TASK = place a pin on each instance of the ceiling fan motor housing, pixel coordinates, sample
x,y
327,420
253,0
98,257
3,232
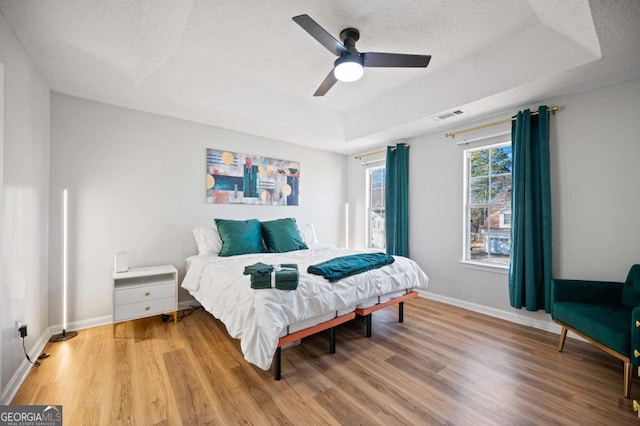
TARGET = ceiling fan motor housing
x,y
349,36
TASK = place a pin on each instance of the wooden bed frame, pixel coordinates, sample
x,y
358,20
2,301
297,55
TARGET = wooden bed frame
x,y
332,323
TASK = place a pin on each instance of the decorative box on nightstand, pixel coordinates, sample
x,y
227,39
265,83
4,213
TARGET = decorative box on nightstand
x,y
142,292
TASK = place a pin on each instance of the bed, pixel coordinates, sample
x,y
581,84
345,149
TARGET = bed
x,y
264,320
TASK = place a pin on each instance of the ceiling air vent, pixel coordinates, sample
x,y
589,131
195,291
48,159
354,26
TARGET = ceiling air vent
x,y
450,114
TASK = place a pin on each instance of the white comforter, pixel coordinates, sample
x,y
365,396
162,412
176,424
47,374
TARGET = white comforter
x,y
258,317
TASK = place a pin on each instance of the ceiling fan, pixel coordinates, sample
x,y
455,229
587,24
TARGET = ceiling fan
x,y
350,63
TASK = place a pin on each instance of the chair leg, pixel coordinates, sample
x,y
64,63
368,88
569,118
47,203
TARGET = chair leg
x,y
628,372
563,336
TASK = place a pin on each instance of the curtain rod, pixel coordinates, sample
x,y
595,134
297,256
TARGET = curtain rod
x,y
369,154
495,123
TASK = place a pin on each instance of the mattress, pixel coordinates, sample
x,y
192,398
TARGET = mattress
x,y
260,317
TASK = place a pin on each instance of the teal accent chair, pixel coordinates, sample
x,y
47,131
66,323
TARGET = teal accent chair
x,y
606,314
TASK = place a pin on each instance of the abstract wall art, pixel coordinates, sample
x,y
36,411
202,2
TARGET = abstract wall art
x,y
235,178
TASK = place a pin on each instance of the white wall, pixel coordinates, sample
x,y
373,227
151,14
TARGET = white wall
x,y
2,385
137,183
595,154
25,164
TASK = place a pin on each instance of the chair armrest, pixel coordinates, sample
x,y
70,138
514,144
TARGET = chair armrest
x,y
635,336
591,292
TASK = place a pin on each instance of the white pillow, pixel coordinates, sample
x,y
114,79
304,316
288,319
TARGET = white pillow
x,y
308,233
207,239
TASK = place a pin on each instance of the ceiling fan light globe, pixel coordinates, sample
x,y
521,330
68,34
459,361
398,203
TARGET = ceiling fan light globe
x,y
348,71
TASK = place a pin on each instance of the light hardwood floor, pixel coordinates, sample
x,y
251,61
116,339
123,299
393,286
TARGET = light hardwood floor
x,y
443,365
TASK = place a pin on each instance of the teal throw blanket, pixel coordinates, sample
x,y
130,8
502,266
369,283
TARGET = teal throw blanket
x,y
341,267
285,277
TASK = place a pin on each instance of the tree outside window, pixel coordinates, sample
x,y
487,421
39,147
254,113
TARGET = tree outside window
x,y
488,204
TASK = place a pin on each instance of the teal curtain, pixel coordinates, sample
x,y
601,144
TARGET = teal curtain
x,y
397,200
530,267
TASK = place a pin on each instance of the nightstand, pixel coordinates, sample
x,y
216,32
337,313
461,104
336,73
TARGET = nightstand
x,y
143,292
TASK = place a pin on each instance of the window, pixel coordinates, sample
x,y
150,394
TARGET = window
x,y
376,237
487,219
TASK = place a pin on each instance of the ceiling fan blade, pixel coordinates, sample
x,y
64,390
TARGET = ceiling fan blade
x,y
374,59
326,84
320,34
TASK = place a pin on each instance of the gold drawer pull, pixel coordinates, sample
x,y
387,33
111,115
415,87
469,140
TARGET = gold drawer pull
x,y
637,323
147,308
636,353
147,293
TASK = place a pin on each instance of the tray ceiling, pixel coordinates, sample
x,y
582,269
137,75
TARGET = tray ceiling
x,y
245,65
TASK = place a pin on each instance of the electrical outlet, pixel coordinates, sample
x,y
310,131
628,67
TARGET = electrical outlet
x,y
18,325
22,330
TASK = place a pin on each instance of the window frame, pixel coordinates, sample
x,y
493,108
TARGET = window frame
x,y
466,259
375,165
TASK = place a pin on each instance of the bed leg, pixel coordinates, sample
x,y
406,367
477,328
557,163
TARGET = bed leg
x,y
368,318
332,340
276,364
401,312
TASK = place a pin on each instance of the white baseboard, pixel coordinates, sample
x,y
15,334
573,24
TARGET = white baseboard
x,y
10,391
106,320
83,324
549,325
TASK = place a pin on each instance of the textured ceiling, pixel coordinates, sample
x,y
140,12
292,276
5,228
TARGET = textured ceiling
x,y
245,65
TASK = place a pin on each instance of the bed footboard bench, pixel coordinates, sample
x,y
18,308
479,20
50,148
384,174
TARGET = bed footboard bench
x,y
290,338
366,312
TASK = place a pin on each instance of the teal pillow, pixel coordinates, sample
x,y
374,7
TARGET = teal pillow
x,y
282,235
239,236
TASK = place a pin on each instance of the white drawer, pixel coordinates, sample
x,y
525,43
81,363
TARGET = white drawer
x,y
144,308
144,293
